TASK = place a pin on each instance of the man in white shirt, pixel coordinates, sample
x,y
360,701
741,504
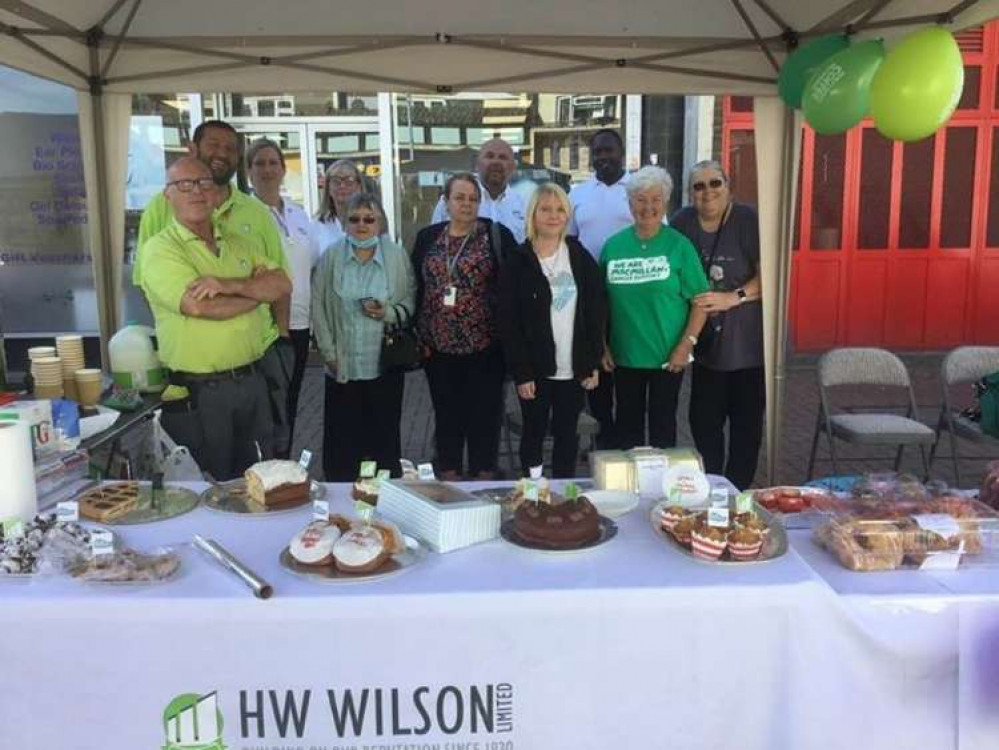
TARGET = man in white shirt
x,y
495,167
600,209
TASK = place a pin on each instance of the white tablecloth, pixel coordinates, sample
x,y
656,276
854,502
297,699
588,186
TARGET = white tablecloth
x,y
630,645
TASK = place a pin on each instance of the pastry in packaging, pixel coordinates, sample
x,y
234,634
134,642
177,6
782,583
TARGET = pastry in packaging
x,y
109,501
48,545
272,483
128,566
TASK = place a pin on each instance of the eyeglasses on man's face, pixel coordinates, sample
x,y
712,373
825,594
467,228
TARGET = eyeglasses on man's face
x,y
361,219
714,183
203,184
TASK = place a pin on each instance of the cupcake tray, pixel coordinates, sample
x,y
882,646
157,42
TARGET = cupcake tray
x,y
232,497
774,546
396,564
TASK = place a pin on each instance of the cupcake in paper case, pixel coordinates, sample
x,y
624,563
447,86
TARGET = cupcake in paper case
x,y
683,528
752,523
744,544
671,515
708,542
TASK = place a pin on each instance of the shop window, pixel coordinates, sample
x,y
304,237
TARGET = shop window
x,y
972,87
992,230
875,191
827,192
958,194
917,190
742,165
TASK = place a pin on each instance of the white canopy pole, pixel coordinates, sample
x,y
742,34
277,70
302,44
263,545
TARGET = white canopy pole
x,y
104,123
778,152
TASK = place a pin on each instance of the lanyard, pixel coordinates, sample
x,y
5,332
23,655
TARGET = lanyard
x,y
452,263
718,234
279,218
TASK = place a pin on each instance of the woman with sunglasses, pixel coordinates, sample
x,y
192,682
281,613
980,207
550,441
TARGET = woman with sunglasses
x,y
343,180
457,264
728,383
552,319
362,283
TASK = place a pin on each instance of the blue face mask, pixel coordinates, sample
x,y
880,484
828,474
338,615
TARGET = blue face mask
x,y
365,244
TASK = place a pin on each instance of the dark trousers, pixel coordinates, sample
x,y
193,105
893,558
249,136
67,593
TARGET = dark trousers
x,y
651,393
559,401
467,394
223,423
277,365
601,403
740,398
300,341
361,423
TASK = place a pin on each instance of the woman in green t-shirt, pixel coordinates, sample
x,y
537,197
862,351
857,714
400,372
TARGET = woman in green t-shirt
x,y
652,273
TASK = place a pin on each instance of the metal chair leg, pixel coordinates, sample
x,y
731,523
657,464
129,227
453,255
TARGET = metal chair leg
x,y
815,448
832,453
936,443
926,465
898,458
953,454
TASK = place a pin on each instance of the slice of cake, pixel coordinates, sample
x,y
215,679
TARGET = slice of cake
x,y
560,524
276,482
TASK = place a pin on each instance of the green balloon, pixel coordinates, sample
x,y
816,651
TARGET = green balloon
x,y
837,95
801,63
918,87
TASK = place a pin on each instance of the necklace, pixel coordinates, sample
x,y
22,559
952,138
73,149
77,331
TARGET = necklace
x,y
548,264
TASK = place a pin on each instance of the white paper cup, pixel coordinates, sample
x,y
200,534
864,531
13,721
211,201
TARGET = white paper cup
x,y
41,352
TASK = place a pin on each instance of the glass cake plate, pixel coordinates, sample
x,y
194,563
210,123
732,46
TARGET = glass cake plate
x,y
774,546
395,565
608,530
150,506
232,497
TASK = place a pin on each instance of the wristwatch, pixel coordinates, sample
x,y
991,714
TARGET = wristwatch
x,y
741,294
692,339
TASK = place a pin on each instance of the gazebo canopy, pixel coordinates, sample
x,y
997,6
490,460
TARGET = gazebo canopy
x,y
637,46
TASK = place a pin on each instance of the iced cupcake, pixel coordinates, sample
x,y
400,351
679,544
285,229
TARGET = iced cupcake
x,y
708,542
744,544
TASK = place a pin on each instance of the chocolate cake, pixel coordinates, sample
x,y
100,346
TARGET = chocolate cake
x,y
561,524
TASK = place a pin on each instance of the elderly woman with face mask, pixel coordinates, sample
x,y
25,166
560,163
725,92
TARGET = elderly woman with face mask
x,y
728,383
362,283
652,274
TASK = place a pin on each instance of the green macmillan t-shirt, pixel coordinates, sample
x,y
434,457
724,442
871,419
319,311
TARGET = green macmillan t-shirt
x,y
649,286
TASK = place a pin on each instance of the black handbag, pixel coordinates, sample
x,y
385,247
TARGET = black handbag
x,y
400,346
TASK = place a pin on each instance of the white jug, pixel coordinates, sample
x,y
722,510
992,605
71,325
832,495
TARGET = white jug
x,y
134,362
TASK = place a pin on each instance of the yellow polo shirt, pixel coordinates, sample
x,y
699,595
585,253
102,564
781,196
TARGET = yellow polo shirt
x,y
175,258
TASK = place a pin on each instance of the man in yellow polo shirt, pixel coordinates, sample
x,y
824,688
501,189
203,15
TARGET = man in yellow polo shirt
x,y
209,292
216,145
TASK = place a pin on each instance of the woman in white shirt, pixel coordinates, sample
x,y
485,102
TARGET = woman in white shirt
x,y
343,181
266,168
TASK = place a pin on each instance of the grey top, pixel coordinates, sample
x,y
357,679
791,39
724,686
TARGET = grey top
x,y
737,340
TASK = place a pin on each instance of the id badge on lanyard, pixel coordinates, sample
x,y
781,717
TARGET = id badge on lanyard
x,y
451,290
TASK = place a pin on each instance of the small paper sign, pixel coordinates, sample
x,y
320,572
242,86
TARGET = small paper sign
x,y
68,511
571,491
383,474
369,469
939,523
321,509
101,542
13,528
305,459
718,517
743,503
531,490
364,511
425,472
536,472
945,560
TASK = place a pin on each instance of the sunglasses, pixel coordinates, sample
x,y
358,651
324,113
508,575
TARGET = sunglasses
x,y
360,219
714,183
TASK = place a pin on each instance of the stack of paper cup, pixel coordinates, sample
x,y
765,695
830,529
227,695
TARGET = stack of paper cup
x,y
38,352
47,374
71,353
88,386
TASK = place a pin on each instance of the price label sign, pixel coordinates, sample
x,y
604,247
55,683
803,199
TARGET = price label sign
x,y
68,511
425,472
744,502
101,542
13,528
320,509
531,490
383,474
368,469
718,517
305,459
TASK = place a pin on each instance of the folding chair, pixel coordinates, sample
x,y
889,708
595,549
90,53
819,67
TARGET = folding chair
x,y
875,367
963,365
